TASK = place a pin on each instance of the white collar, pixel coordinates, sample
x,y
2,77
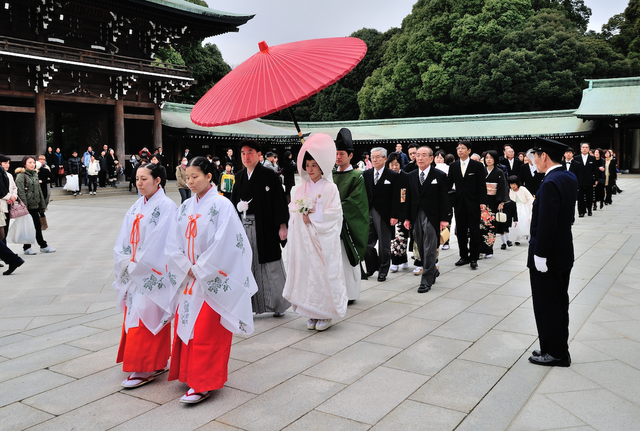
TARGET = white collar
x,y
550,169
349,168
380,171
426,171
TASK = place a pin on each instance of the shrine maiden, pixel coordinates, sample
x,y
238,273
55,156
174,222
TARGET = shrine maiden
x,y
144,285
315,283
209,255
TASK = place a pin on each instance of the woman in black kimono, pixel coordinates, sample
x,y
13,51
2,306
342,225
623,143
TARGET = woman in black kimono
x,y
497,195
599,189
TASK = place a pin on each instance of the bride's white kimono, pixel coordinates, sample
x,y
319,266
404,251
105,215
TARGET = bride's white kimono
x,y
524,206
315,278
208,238
142,280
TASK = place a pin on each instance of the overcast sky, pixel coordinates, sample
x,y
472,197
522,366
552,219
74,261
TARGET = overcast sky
x,y
282,21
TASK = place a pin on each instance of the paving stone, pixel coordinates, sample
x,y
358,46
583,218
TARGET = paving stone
x,y
412,296
496,305
498,348
460,385
466,326
17,417
17,323
99,341
268,342
339,337
217,426
372,297
78,393
107,323
600,408
272,370
441,309
83,319
353,362
30,384
565,380
100,415
383,314
38,360
429,355
35,344
88,364
415,416
371,398
543,414
281,405
615,376
471,291
14,338
319,421
40,321
403,332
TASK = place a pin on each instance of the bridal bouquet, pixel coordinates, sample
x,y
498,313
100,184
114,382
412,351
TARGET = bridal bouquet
x,y
302,206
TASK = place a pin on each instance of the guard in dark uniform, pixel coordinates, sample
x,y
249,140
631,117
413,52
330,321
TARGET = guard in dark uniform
x,y
551,255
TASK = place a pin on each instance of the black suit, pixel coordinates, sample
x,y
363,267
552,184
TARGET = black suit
x,y
383,206
551,238
515,170
471,192
428,205
529,181
586,180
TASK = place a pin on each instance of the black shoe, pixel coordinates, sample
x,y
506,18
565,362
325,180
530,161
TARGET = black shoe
x,y
13,267
462,262
590,213
503,247
351,301
382,278
369,274
601,205
549,361
437,274
595,208
424,288
536,353
509,243
581,215
473,264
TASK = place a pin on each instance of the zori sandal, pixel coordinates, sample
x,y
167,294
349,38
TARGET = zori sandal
x,y
193,397
137,381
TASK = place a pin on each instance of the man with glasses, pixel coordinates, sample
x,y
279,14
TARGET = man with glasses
x,y
383,192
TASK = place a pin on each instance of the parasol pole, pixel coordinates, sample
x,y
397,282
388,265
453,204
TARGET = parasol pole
x,y
295,122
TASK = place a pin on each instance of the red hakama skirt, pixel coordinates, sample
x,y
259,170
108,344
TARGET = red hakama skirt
x,y
141,351
203,363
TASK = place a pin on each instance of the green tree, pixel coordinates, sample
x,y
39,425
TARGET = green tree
x,y
208,67
622,31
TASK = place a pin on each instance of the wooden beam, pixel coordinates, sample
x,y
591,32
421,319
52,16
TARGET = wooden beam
x,y
76,99
157,127
23,109
132,104
118,122
40,124
139,117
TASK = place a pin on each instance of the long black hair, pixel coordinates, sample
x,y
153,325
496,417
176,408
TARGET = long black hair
x,y
203,164
156,171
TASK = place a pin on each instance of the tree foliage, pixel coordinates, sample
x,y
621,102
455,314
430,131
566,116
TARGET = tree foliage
x,y
480,56
622,31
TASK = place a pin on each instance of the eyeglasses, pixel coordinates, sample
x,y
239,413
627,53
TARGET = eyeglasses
x,y
376,157
422,155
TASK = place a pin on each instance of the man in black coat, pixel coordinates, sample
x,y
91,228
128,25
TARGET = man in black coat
x,y
586,174
509,160
259,198
383,192
428,203
75,168
471,198
551,254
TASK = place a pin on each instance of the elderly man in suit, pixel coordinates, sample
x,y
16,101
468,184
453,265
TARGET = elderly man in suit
x,y
551,255
511,162
428,203
383,192
468,176
586,174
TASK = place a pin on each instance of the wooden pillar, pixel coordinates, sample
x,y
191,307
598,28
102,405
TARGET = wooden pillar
x,y
616,143
118,121
157,127
41,124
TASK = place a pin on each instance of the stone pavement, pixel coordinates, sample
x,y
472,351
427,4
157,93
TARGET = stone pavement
x,y
453,358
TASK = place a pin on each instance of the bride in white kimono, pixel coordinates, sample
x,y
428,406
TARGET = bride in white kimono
x,y
315,278
145,293
524,205
210,258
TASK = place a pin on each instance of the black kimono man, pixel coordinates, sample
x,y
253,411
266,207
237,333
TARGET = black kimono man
x,y
551,254
259,198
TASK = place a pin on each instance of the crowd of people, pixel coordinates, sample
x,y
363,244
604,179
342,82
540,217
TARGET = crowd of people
x,y
214,260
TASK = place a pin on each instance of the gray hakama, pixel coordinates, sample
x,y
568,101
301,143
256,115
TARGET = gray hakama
x,y
270,277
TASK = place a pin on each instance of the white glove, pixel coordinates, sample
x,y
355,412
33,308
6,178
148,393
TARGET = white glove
x,y
541,263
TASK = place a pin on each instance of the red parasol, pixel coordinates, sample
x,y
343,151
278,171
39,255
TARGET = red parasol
x,y
276,78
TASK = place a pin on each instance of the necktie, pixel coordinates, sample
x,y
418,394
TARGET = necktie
x,y
376,178
421,177
463,167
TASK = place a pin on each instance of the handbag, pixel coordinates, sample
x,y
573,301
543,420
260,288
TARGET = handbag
x,y
72,183
18,209
444,235
501,217
61,170
43,223
22,231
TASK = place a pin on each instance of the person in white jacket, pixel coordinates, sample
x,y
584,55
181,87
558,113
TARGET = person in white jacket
x,y
93,169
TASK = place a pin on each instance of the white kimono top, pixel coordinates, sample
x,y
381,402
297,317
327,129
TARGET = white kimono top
x,y
143,282
315,278
208,238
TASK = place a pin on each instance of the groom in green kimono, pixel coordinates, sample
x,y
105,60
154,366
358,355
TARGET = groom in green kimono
x,y
355,211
